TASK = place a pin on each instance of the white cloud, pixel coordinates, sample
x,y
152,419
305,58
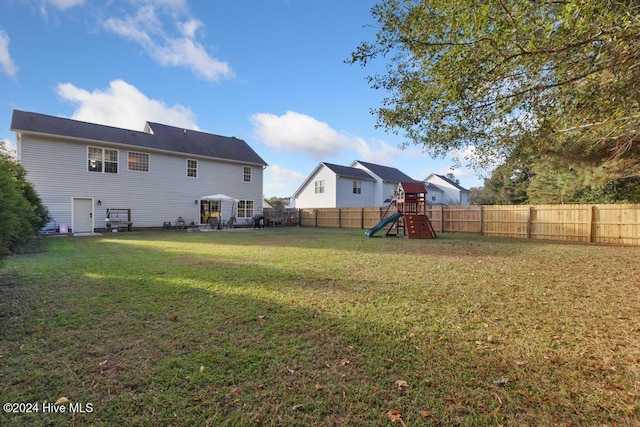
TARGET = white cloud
x,y
9,146
279,173
189,28
281,180
300,133
376,151
297,132
171,4
6,62
123,105
65,4
146,29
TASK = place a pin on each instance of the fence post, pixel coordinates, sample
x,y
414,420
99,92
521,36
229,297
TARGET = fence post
x,y
481,220
362,218
592,215
441,219
316,217
339,218
529,222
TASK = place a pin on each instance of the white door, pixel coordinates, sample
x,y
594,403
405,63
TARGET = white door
x,y
82,216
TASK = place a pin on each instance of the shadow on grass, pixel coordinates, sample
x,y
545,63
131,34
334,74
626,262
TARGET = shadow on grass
x,y
162,337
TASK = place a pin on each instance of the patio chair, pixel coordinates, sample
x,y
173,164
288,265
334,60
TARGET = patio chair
x,y
232,222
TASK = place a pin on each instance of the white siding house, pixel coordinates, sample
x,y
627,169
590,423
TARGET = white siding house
x,y
451,192
81,169
387,180
330,186
359,185
435,195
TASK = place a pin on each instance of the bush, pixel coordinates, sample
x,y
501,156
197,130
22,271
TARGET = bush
x,y
22,213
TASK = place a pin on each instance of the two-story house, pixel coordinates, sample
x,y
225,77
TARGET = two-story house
x,y
80,170
450,192
358,185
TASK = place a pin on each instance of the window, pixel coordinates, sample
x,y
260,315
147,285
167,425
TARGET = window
x,y
102,160
357,187
245,209
319,186
138,162
192,168
246,173
433,198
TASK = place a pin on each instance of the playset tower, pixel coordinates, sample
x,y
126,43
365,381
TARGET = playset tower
x,y
410,219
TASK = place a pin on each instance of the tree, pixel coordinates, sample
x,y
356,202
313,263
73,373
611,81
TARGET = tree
x,y
277,202
481,196
542,79
22,213
508,186
452,178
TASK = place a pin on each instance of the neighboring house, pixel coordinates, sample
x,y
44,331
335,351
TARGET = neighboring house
x,y
80,170
387,180
330,186
361,184
450,193
435,194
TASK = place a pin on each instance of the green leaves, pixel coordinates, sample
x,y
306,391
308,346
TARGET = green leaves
x,y
555,76
16,214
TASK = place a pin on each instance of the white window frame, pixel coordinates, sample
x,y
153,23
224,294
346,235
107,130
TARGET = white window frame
x,y
192,170
247,172
357,187
245,208
319,186
141,156
104,159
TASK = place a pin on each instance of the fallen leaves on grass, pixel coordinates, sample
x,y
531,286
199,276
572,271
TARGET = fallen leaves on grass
x,y
396,417
62,401
402,384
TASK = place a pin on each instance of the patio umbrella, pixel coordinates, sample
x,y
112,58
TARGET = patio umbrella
x,y
221,198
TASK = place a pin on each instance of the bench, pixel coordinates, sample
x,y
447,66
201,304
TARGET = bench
x,y
118,218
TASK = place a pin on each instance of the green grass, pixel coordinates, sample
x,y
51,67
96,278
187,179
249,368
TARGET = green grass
x,y
304,327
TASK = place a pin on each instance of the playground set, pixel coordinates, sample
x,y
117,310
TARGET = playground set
x,y
410,218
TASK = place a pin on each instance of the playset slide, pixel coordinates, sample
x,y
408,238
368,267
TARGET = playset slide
x,y
384,221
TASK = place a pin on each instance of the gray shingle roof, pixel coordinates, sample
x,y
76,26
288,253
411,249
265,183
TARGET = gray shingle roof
x,y
433,187
162,137
348,171
387,173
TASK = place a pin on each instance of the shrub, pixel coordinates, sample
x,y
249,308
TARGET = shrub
x,y
22,213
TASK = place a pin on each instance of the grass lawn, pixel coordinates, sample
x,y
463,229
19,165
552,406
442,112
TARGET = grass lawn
x,y
306,327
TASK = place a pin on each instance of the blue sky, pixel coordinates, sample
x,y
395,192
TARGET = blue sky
x,y
271,72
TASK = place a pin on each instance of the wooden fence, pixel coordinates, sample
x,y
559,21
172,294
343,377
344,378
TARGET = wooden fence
x,y
612,224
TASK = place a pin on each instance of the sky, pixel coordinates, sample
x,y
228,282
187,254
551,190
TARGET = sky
x,y
271,72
